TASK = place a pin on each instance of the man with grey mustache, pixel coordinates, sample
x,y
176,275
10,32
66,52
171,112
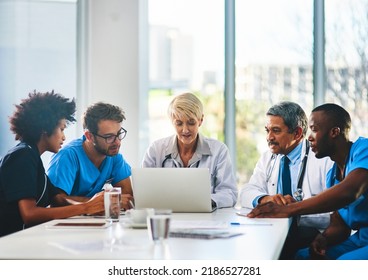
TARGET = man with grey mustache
x,y
286,128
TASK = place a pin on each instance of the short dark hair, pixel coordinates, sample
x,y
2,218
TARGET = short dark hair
x,y
40,113
338,117
101,111
292,114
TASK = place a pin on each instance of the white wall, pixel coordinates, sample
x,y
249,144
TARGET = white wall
x,y
113,65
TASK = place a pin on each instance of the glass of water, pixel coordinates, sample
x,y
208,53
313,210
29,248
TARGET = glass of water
x,y
158,225
112,199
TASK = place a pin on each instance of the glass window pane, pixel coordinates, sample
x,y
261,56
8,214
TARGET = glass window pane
x,y
186,54
347,59
37,52
274,55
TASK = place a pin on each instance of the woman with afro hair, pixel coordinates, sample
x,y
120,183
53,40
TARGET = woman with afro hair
x,y
26,192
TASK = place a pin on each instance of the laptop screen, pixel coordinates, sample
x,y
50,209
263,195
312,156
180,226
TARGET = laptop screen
x,y
179,189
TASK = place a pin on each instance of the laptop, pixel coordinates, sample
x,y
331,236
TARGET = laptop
x,y
186,190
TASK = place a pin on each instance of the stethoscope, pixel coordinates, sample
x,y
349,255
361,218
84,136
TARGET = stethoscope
x,y
176,164
298,195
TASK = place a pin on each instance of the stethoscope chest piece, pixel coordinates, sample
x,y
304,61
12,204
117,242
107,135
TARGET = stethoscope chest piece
x,y
298,195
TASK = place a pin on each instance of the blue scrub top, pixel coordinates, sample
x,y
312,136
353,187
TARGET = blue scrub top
x,y
355,214
72,171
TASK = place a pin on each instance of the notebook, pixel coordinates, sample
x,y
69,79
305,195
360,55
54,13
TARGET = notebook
x,y
179,189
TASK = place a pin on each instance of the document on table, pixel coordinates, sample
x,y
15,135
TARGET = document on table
x,y
200,229
203,233
198,224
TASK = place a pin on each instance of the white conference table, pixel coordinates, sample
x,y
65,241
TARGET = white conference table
x,y
262,239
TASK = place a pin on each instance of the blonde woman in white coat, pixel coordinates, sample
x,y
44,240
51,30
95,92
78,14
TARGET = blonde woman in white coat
x,y
188,148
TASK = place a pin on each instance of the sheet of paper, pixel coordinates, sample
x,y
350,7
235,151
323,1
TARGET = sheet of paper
x,y
197,224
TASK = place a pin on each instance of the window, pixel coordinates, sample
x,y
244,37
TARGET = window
x,y
347,59
274,55
186,54
37,52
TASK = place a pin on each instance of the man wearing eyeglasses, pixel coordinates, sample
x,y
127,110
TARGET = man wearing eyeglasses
x,y
85,165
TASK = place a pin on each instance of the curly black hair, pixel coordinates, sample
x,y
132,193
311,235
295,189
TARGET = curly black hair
x,y
40,113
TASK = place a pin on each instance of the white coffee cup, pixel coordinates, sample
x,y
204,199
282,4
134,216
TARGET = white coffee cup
x,y
139,216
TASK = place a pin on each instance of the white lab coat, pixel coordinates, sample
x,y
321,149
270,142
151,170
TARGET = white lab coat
x,y
265,179
210,153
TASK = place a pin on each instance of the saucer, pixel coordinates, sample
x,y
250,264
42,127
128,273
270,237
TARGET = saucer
x,y
138,225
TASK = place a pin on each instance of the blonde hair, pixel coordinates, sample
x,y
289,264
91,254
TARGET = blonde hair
x,y
185,105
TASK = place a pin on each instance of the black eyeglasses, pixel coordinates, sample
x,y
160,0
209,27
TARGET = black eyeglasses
x,y
112,138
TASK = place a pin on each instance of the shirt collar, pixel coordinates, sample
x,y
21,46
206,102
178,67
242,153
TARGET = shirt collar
x,y
294,155
202,147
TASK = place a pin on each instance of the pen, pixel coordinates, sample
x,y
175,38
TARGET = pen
x,y
131,204
250,224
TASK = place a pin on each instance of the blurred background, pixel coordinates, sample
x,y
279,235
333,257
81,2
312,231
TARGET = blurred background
x,y
240,57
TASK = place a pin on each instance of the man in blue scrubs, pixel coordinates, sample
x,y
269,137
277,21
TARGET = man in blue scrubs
x,y
85,165
347,194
